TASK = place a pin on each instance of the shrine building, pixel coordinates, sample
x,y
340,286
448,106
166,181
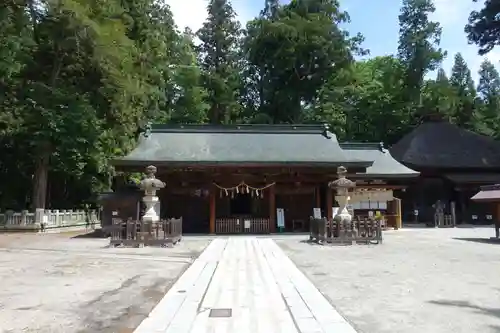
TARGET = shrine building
x,y
453,164
258,178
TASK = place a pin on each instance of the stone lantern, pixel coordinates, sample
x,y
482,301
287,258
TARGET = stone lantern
x,y
342,185
150,185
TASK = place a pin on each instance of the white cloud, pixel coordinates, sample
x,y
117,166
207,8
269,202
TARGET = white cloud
x,y
188,13
192,13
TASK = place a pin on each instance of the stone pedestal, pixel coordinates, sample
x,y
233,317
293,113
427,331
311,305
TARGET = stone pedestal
x,y
343,214
150,214
39,215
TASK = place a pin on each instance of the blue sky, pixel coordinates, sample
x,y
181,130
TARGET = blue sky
x,y
377,20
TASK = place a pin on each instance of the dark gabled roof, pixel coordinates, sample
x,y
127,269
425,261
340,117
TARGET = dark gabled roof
x,y
310,145
439,144
384,165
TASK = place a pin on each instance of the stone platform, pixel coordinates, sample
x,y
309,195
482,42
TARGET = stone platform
x,y
244,284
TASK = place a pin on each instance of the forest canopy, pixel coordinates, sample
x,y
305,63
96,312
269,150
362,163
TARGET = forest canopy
x,y
81,78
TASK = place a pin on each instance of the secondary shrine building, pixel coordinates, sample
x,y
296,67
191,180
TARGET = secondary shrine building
x,y
258,178
453,164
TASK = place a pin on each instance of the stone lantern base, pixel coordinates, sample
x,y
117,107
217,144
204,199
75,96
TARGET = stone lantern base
x,y
150,215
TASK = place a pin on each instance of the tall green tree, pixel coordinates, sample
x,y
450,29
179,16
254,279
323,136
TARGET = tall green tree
x,y
418,48
219,60
61,113
151,28
488,110
190,97
438,97
461,81
484,26
79,79
379,101
15,44
293,53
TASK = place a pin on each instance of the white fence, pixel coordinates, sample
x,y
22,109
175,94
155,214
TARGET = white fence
x,y
45,220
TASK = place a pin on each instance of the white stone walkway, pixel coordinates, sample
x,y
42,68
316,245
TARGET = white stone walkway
x,y
243,285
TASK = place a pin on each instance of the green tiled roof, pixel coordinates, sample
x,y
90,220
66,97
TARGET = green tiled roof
x,y
310,145
384,165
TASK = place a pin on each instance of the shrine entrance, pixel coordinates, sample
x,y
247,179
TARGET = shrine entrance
x,y
243,208
241,204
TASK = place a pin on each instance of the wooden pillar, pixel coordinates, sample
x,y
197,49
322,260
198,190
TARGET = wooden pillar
x,y
392,214
329,203
272,209
497,220
317,193
212,209
399,218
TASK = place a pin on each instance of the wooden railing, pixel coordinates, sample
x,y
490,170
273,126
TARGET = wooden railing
x,y
44,220
364,230
237,225
139,233
443,221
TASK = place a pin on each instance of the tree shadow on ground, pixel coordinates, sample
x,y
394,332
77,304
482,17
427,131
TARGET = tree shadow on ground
x,y
333,244
494,312
430,225
98,233
479,240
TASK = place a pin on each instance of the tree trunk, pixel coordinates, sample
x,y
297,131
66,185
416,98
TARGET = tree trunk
x,y
40,179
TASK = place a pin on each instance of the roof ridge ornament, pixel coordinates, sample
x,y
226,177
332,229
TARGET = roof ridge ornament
x,y
326,131
147,129
144,128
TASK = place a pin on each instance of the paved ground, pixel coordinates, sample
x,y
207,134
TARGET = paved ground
x,y
419,280
52,283
244,284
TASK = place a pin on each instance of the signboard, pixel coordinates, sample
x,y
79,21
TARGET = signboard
x,y
489,217
317,213
280,217
247,224
474,217
415,212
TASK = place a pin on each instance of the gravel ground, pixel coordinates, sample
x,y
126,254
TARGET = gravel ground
x,y
58,283
419,280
